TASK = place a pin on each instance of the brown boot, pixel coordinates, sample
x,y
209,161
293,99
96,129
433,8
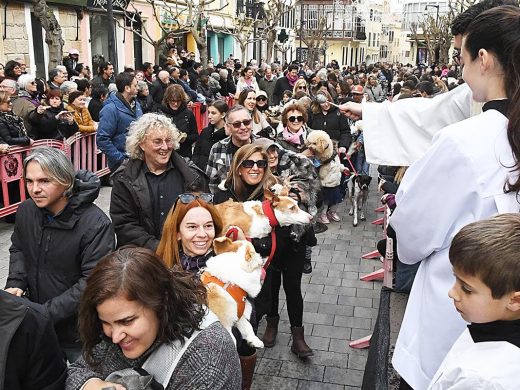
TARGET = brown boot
x,y
271,331
299,346
247,364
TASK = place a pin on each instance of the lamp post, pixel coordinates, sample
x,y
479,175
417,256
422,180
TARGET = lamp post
x,y
436,6
301,31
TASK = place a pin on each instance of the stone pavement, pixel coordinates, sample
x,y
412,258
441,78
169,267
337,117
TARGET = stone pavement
x,y
338,307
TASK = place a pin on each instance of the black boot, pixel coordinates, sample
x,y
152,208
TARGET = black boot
x,y
299,346
247,364
307,265
271,331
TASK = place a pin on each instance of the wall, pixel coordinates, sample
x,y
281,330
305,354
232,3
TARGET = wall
x,y
17,40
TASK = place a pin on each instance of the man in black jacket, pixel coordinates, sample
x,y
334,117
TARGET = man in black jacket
x,y
58,238
30,355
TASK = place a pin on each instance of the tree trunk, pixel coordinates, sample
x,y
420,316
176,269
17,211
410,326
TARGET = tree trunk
x,y
53,37
243,49
203,51
271,38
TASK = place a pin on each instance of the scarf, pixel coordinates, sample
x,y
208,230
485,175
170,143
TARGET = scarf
x,y
14,120
293,138
292,80
195,263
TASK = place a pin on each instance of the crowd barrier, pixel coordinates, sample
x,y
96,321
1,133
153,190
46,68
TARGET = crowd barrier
x,y
80,148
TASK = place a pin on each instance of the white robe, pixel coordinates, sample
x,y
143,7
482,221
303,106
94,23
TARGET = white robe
x,y
490,365
459,180
400,133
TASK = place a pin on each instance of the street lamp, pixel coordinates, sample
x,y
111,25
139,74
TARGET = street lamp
x,y
437,13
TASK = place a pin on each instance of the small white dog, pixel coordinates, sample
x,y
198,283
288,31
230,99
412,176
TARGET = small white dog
x,y
231,276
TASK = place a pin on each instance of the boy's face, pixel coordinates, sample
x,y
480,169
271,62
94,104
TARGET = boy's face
x,y
473,300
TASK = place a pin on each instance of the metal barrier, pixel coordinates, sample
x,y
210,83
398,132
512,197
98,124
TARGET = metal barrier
x,y
200,117
80,148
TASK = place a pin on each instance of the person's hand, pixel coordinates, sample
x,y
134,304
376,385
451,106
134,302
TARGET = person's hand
x,y
40,109
4,148
380,185
182,137
342,150
15,291
98,384
189,104
352,110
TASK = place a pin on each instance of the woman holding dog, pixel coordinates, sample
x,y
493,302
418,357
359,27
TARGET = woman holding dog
x,y
470,173
142,322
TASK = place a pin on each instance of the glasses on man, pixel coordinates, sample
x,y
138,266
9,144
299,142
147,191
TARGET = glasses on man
x,y
261,99
294,119
251,163
238,124
189,197
456,56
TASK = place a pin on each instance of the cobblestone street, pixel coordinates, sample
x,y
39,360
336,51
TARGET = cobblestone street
x,y
338,307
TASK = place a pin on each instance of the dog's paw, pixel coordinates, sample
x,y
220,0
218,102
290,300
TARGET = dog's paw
x,y
255,342
362,217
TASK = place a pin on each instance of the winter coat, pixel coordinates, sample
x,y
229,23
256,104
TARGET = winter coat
x,y
46,126
94,108
241,85
131,203
82,117
147,103
29,351
12,130
185,122
157,91
282,84
114,119
227,86
268,87
334,124
207,138
100,80
374,94
23,105
52,256
209,92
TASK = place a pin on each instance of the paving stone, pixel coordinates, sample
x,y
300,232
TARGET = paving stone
x,y
365,312
358,283
315,288
263,382
342,376
323,298
330,359
353,322
356,302
307,385
268,366
325,280
303,370
332,331
318,318
359,333
311,307
328,308
348,291
317,343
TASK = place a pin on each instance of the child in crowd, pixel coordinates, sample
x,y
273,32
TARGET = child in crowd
x,y
486,263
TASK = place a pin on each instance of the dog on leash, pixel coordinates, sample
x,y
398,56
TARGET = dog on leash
x,y
358,194
235,273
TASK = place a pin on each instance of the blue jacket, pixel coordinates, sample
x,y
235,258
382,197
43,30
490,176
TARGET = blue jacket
x,y
114,119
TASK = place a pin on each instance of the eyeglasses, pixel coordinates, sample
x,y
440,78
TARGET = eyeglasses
x,y
261,99
32,82
293,118
238,124
157,143
189,197
456,56
251,163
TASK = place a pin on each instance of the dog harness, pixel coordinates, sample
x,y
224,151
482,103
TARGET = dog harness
x,y
236,292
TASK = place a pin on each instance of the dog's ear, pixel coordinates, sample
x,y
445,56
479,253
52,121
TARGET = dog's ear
x,y
369,179
223,245
250,253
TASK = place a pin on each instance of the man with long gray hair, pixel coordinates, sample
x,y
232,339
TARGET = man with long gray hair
x,y
59,236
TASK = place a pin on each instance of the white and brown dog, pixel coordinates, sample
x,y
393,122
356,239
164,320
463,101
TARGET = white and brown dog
x,y
257,219
235,273
358,187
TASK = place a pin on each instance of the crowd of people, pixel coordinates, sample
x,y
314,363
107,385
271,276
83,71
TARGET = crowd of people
x,y
120,299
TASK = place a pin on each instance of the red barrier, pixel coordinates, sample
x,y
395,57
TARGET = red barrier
x,y
230,101
80,148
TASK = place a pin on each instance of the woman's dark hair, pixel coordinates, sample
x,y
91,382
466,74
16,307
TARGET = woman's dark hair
x,y
138,274
174,92
220,105
504,43
244,71
98,91
9,69
242,98
82,84
397,89
74,95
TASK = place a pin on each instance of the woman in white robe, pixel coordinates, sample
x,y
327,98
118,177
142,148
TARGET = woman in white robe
x,y
469,173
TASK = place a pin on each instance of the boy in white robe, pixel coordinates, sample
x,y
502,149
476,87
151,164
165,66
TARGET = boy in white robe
x,y
485,259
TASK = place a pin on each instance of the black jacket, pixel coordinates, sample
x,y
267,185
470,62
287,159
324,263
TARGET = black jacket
x,y
30,356
334,124
157,91
185,122
12,130
282,84
131,204
94,107
46,126
146,102
51,257
207,138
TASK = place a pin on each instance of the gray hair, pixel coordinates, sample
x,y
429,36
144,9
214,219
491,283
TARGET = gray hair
x,y
236,108
67,87
141,85
139,129
24,80
11,84
54,163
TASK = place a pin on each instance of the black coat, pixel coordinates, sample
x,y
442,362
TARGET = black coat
x,y
282,84
334,124
51,257
94,107
12,130
46,126
157,91
30,355
146,102
185,122
131,204
207,138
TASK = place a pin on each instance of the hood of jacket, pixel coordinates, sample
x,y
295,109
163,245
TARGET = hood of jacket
x,y
116,101
86,189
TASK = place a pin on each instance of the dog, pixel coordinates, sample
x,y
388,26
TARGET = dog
x,y
235,273
358,195
251,216
322,148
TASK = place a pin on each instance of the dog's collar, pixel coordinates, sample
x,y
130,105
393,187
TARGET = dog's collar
x,y
267,208
238,294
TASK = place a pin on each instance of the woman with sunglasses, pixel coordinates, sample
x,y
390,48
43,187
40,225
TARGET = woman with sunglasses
x,y
294,133
27,99
261,127
12,129
147,184
188,232
300,86
137,314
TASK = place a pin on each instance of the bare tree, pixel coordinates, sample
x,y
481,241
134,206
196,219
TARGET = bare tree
x,y
273,13
53,35
313,38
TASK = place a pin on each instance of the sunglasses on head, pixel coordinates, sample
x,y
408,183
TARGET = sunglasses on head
x,y
189,197
251,163
293,118
238,124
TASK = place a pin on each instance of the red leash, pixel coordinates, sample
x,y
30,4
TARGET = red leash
x,y
267,208
351,165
